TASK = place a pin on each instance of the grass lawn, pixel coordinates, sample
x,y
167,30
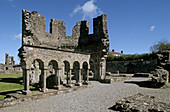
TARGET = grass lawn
x,y
10,83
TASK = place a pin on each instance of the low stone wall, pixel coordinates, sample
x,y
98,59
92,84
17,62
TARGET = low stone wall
x,y
136,66
10,69
11,72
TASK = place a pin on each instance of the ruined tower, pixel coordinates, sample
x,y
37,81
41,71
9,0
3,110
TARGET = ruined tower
x,y
9,60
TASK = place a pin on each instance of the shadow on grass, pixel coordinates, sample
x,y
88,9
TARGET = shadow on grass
x,y
145,84
12,80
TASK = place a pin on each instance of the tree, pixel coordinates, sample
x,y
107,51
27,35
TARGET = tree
x,y
160,46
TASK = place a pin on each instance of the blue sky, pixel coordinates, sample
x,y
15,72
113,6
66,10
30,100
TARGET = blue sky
x,y
133,25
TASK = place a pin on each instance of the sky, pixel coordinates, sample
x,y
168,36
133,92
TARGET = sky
x,y
133,25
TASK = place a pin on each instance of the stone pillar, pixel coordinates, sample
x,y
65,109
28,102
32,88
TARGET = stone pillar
x,y
76,72
44,89
26,82
67,77
87,76
86,80
102,68
58,80
79,79
70,71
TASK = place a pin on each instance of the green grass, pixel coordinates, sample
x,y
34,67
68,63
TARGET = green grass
x,y
10,83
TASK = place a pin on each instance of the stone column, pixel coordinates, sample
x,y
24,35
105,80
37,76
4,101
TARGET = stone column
x,y
70,76
87,76
67,78
26,82
44,89
79,80
58,80
86,80
76,72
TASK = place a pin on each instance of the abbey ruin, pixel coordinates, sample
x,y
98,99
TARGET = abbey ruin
x,y
52,59
10,67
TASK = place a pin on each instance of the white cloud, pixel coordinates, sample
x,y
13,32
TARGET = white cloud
x,y
19,36
89,9
152,28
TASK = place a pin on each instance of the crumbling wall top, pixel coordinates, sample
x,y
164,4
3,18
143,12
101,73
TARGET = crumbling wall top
x,y
33,32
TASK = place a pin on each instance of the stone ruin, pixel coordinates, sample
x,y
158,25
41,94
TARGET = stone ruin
x,y
10,67
161,74
52,59
140,103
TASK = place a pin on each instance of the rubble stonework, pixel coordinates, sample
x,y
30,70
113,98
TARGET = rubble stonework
x,y
10,67
132,66
160,78
51,59
161,74
140,103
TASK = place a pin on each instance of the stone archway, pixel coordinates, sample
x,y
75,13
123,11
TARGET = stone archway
x,y
77,72
52,76
67,72
36,73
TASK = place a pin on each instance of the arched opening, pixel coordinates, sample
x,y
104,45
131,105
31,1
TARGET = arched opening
x,y
85,72
52,74
76,70
67,72
36,73
91,70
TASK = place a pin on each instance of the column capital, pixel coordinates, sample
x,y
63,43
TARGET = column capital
x,y
58,68
46,68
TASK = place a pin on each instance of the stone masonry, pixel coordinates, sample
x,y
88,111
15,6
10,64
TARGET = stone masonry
x,y
10,67
161,74
52,59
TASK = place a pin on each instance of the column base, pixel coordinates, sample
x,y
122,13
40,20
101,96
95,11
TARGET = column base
x,y
44,90
26,92
78,84
86,83
59,87
69,85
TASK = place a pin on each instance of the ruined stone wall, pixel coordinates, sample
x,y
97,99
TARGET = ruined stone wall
x,y
9,67
34,32
131,66
96,44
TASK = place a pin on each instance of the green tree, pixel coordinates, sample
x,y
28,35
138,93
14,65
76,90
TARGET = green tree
x,y
160,46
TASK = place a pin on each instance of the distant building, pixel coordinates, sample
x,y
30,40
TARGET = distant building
x,y
10,67
113,53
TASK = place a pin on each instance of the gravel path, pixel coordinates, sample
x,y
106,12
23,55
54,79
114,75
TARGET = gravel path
x,y
96,99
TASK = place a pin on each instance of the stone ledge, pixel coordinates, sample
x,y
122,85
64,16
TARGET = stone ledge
x,y
111,80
